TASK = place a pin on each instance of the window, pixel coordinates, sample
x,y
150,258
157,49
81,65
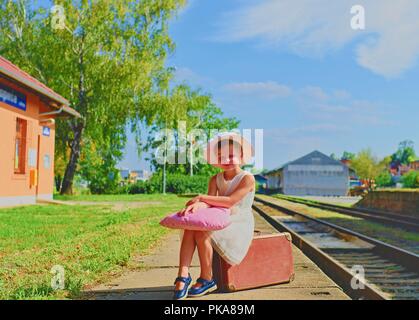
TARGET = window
x,y
20,146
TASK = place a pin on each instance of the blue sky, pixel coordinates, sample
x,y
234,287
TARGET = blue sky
x,y
298,71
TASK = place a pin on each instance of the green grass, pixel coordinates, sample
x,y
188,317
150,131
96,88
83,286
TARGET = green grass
x,y
115,197
311,201
92,243
398,190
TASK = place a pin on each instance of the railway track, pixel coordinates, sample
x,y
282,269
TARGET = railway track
x,y
387,218
383,271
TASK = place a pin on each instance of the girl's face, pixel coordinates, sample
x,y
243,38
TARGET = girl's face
x,y
229,156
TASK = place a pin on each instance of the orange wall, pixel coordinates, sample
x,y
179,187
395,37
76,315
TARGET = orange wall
x,y
11,184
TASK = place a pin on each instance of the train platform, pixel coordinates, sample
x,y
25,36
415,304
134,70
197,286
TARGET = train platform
x,y
154,280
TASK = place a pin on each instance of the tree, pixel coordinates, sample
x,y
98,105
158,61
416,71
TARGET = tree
x,y
198,112
108,59
348,155
98,166
334,157
411,179
405,153
60,163
367,166
384,179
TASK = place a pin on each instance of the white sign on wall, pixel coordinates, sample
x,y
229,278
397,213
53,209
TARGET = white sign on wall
x,y
32,155
47,161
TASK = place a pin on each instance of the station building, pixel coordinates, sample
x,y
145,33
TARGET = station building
x,y
314,174
28,110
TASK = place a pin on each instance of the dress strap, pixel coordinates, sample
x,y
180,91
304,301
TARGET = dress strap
x,y
220,183
235,182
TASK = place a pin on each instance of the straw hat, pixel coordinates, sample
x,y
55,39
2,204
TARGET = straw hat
x,y
211,150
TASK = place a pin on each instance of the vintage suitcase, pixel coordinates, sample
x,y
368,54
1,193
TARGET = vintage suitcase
x,y
269,261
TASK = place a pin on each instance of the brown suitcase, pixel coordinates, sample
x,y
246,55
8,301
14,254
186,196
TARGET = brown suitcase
x,y
269,261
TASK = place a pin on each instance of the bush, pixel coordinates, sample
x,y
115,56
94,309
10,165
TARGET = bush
x,y
186,184
411,179
175,183
384,179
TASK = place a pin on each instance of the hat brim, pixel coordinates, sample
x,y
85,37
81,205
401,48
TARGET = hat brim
x,y
211,150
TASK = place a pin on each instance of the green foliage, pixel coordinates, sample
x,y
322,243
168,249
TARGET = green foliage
x,y
367,166
102,177
98,166
411,179
180,184
405,154
333,156
198,112
348,155
108,61
175,183
384,179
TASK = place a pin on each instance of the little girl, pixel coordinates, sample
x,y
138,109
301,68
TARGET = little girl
x,y
232,188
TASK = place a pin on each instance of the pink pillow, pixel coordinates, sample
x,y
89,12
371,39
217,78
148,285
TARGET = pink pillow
x,y
207,219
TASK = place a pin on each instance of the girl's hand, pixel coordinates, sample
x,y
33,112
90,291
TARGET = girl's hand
x,y
192,208
193,200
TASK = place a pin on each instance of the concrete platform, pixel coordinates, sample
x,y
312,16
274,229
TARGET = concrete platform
x,y
155,279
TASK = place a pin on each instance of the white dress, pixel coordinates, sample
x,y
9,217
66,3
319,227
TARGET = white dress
x,y
233,242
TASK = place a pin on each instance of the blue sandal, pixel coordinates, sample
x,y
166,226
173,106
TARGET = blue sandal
x,y
207,287
183,293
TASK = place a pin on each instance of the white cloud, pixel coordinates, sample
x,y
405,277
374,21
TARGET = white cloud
x,y
339,109
316,93
388,46
320,128
268,89
341,94
184,74
322,110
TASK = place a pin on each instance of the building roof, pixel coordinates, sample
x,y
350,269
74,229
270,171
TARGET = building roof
x,y
309,159
260,177
276,169
12,72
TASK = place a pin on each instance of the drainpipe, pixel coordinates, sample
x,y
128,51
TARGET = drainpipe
x,y
53,112
47,121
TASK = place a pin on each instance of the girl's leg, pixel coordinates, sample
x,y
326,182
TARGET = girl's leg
x,y
205,251
187,250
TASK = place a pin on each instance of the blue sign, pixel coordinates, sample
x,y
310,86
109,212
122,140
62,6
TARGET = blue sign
x,y
46,131
12,97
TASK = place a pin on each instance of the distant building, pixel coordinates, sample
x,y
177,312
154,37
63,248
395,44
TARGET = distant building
x,y
273,180
354,180
140,174
260,179
397,169
414,165
261,182
404,168
314,174
132,176
124,173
